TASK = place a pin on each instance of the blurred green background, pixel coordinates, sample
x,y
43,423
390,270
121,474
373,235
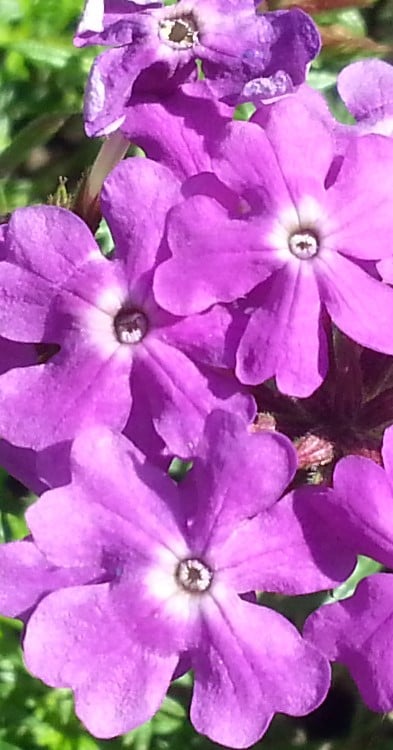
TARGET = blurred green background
x,y
41,142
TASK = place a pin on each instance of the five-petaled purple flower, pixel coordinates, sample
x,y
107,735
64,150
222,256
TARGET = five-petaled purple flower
x,y
291,236
145,578
358,631
123,361
245,55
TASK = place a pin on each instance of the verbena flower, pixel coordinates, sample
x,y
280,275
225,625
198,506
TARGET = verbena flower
x,y
245,55
358,631
123,361
161,567
177,129
295,246
19,462
366,88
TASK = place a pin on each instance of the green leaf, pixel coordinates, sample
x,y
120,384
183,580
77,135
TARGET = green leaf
x,y
36,133
321,79
7,746
365,567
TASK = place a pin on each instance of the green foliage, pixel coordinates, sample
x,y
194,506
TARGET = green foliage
x,y
42,77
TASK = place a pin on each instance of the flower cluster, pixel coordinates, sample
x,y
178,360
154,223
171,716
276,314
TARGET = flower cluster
x,y
241,323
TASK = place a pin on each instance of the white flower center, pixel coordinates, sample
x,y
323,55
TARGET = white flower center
x,y
193,575
130,326
180,33
303,245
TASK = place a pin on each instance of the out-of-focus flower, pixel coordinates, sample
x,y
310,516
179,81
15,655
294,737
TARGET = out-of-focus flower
x,y
366,88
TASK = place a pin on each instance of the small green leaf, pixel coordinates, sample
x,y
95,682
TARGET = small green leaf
x,y
36,133
365,567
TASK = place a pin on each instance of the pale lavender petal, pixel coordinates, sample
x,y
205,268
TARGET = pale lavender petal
x,y
109,86
366,87
106,22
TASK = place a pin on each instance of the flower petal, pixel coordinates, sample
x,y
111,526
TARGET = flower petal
x,y
360,305
50,242
76,639
366,88
253,663
210,338
303,158
216,258
357,205
291,548
235,475
26,576
362,502
259,180
189,117
131,509
285,336
24,303
74,389
358,633
180,395
137,224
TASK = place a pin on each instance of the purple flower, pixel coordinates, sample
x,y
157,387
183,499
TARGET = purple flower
x,y
299,249
99,23
123,361
160,567
358,631
366,87
177,130
245,56
19,462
